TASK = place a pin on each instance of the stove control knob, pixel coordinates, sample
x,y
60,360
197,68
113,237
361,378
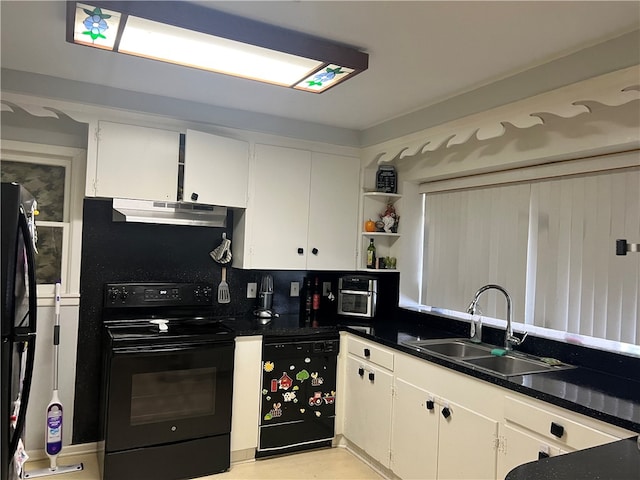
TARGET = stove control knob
x,y
206,291
113,294
124,295
197,292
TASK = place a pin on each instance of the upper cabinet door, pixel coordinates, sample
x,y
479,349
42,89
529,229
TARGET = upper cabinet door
x,y
279,208
333,212
136,162
216,170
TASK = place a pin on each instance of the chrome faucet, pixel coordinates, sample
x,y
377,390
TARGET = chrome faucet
x,y
509,338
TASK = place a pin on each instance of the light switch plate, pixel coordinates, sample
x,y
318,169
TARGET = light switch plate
x,y
295,289
252,290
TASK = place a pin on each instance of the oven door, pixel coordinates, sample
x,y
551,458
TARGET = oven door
x,y
357,304
168,393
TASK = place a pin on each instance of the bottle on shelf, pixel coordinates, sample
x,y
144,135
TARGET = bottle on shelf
x,y
315,304
371,255
308,301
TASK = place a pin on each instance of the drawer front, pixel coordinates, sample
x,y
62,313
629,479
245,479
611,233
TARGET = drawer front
x,y
371,353
554,427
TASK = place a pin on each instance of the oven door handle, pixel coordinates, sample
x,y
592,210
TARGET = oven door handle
x,y
167,348
364,293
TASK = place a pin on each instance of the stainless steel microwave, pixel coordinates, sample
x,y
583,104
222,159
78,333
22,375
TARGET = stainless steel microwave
x,y
357,296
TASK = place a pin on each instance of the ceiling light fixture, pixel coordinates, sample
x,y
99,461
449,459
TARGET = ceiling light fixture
x,y
186,34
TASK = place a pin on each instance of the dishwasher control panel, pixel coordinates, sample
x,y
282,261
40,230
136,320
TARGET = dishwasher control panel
x,y
303,347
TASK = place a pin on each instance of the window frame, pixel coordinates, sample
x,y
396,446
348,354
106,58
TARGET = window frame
x,y
74,162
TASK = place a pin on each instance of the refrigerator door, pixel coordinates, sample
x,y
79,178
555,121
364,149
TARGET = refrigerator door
x,y
18,323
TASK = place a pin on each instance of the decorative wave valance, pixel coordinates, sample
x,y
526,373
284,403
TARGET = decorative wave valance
x,y
609,90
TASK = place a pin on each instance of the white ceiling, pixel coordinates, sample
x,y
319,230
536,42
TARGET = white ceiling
x,y
421,52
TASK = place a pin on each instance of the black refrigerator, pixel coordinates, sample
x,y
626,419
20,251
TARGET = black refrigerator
x,y
18,322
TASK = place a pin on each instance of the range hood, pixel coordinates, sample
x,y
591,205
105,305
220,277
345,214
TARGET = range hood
x,y
168,213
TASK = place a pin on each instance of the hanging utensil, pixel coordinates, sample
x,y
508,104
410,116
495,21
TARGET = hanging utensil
x,y
223,289
222,253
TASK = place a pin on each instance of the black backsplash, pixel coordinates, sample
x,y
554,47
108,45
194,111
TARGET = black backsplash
x,y
138,252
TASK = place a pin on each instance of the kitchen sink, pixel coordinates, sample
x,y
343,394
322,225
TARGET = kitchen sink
x,y
508,366
479,357
451,348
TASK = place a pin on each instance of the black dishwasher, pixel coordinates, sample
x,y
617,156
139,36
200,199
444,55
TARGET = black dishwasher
x,y
298,393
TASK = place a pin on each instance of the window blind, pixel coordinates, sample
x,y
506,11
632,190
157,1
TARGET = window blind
x,y
550,242
475,237
579,284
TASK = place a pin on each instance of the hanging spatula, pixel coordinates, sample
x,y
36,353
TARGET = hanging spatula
x,y
223,289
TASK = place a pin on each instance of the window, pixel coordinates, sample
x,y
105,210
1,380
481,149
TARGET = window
x,y
46,171
549,241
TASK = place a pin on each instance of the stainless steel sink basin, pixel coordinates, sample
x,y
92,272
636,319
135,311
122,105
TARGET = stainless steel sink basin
x,y
451,348
508,366
478,356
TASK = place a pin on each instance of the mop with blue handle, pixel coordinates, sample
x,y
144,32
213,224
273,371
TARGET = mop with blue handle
x,y
53,440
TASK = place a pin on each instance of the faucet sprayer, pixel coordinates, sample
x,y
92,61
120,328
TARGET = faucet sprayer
x,y
509,339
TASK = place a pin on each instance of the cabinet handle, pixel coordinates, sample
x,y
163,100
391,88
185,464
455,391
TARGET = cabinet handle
x,y
361,372
372,376
557,429
446,413
300,251
314,251
367,352
194,196
430,405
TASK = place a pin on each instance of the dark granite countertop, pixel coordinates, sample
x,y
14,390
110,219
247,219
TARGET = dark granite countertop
x,y
281,326
591,392
596,394
614,461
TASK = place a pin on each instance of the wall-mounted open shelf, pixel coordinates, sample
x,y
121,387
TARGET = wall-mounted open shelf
x,y
373,204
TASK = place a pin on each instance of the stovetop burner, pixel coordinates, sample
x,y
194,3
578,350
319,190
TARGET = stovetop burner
x,y
161,313
167,330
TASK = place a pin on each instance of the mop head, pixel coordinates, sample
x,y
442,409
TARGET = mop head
x,y
60,469
222,253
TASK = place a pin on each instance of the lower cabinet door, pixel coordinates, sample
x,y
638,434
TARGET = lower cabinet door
x,y
467,444
414,440
518,447
367,417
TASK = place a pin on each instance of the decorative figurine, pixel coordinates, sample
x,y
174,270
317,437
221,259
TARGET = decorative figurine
x,y
390,219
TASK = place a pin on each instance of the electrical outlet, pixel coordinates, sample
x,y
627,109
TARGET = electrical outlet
x,y
252,290
326,289
295,289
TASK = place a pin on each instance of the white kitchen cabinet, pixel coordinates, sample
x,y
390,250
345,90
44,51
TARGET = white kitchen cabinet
x,y
467,443
247,378
368,381
301,212
367,416
517,446
216,170
431,434
489,430
333,211
415,433
530,426
133,162
454,419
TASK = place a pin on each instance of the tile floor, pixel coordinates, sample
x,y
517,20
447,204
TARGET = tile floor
x,y
325,464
